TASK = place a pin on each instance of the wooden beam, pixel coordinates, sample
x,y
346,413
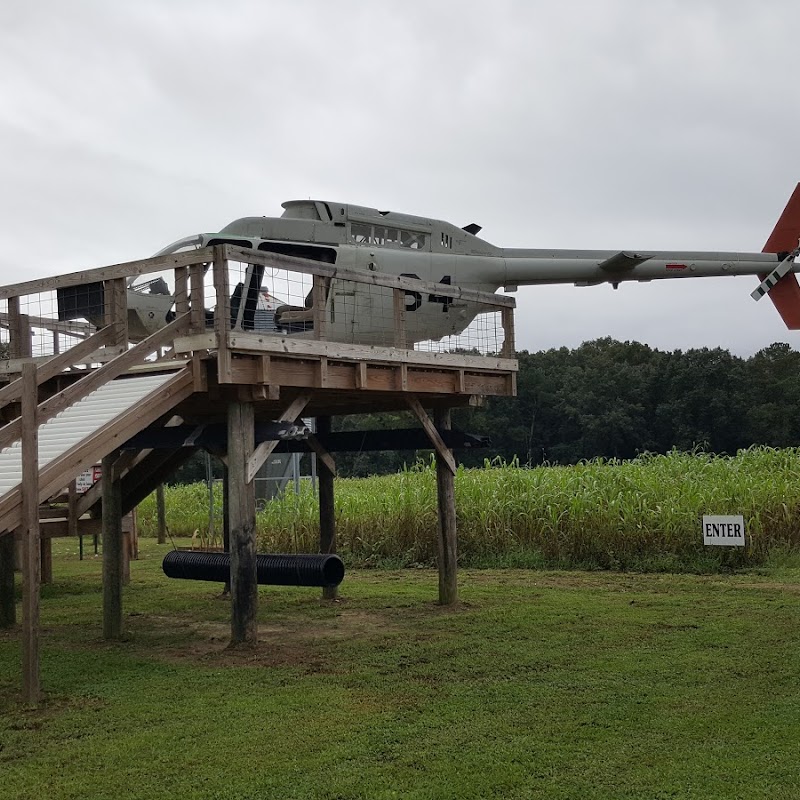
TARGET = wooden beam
x,y
199,373
31,563
19,332
56,474
222,314
442,450
115,302
112,550
448,537
60,528
362,379
75,329
197,308
181,290
310,267
263,451
196,342
127,269
24,336
242,520
323,372
322,454
284,345
13,327
97,378
155,470
327,513
399,304
385,440
53,366
319,295
509,344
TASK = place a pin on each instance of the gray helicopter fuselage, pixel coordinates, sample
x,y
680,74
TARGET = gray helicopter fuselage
x,y
361,238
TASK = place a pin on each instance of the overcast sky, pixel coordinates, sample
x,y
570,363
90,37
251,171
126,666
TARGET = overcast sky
x,y
616,124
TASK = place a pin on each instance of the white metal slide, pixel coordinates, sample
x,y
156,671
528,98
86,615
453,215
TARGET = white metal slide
x,y
86,419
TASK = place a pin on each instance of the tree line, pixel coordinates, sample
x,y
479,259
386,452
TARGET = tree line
x,y
614,399
609,399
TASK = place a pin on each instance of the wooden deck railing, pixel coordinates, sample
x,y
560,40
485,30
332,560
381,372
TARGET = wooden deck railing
x,y
202,278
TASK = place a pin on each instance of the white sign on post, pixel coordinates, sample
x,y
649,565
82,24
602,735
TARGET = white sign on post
x,y
723,530
87,479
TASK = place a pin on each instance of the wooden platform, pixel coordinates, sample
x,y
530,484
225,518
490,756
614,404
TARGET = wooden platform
x,y
223,371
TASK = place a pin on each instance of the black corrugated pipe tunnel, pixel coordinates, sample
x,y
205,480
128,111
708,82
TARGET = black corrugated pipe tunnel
x,y
276,570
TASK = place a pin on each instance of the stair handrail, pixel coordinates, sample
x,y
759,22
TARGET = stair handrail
x,y
97,378
58,363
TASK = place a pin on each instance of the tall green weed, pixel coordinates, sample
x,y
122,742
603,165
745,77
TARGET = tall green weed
x,y
639,514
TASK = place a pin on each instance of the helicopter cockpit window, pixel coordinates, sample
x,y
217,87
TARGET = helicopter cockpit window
x,y
361,234
382,236
416,241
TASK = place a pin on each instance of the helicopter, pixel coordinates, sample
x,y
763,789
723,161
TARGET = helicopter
x,y
368,239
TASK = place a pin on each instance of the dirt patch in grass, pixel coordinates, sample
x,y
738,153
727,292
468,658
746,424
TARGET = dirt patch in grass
x,y
284,642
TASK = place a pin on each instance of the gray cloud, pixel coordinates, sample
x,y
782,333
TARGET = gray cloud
x,y
614,124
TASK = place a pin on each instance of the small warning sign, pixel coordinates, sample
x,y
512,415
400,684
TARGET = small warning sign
x,y
723,530
88,478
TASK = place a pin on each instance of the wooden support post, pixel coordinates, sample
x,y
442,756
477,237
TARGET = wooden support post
x,y
222,314
509,345
161,512
242,516
13,327
46,560
19,331
327,515
399,304
112,550
182,290
318,293
198,309
31,691
26,341
443,452
261,453
8,604
115,299
448,538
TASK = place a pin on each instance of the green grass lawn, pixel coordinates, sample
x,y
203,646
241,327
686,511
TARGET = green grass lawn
x,y
540,685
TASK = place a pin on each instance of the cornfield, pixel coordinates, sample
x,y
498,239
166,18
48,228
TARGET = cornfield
x,y
640,514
